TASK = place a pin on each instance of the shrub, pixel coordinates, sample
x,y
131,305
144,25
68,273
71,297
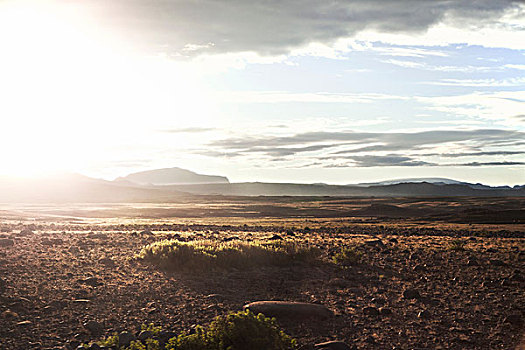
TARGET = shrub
x,y
457,244
210,255
347,256
236,331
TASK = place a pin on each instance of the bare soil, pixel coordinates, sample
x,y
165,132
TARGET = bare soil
x,y
58,274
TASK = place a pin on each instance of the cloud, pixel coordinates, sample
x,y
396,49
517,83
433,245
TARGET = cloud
x,y
187,130
429,67
367,149
370,141
489,164
388,160
480,82
186,27
478,154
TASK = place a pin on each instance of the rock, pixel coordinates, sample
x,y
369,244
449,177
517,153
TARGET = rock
x,y
497,262
6,242
514,320
289,309
378,301
93,327
419,268
472,262
24,323
371,311
276,238
25,232
411,294
94,346
339,283
384,311
145,335
333,345
374,243
216,297
125,338
108,262
425,314
9,314
91,281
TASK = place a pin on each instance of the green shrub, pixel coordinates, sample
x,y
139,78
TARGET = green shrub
x,y
236,331
347,256
210,255
457,244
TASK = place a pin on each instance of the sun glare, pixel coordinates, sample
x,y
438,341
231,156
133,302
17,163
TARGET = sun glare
x,y
72,96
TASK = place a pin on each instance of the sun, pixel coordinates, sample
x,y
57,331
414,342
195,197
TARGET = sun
x,y
74,96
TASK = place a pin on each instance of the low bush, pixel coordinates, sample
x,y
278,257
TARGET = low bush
x,y
239,331
206,255
347,256
235,331
457,244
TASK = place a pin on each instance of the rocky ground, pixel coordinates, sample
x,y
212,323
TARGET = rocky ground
x,y
413,289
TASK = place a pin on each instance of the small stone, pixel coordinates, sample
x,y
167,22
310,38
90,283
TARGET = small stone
x,y
144,335
6,242
384,311
93,327
276,238
24,323
411,294
94,346
92,281
514,320
333,345
497,262
371,311
425,314
125,338
374,243
419,268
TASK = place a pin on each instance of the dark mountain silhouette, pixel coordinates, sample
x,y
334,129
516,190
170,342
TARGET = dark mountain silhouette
x,y
83,189
402,189
77,188
171,176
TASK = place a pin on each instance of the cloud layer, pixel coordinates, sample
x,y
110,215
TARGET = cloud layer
x,y
371,149
187,27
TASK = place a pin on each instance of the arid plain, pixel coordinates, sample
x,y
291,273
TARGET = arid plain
x,y
428,273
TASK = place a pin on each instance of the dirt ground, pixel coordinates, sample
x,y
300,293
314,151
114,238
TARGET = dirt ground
x,y
56,276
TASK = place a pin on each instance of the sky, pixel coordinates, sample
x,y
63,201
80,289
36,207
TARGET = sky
x,y
306,91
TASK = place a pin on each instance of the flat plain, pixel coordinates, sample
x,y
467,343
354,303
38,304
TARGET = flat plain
x,y
431,273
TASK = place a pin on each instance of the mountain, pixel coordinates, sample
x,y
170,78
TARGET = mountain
x,y
77,188
172,176
422,189
431,180
144,187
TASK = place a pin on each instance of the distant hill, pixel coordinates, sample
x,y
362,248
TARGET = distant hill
x,y
432,180
394,190
172,176
157,186
77,188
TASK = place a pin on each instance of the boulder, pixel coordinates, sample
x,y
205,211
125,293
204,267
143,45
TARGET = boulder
x,y
289,309
333,345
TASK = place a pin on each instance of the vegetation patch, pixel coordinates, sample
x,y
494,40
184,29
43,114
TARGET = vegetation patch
x,y
235,331
206,255
347,256
457,244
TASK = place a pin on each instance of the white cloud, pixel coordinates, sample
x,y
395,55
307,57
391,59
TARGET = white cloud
x,y
500,106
